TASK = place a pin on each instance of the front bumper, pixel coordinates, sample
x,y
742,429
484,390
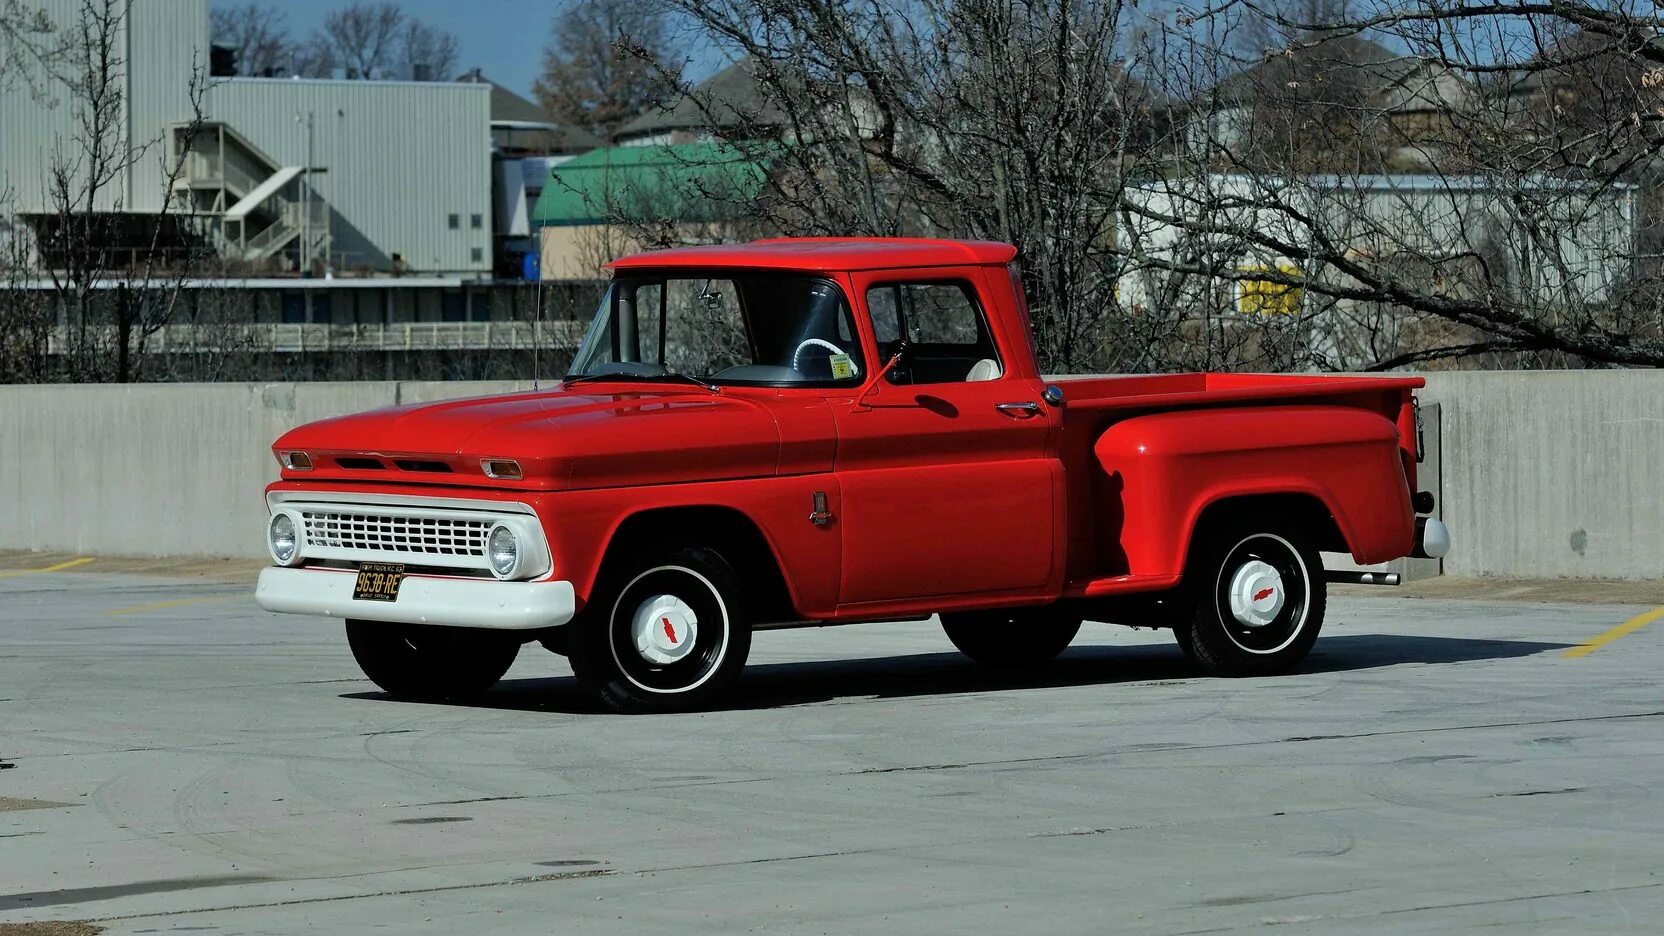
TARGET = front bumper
x,y
451,602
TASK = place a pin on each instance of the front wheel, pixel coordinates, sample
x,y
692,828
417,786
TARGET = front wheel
x,y
1013,638
668,633
428,663
1260,597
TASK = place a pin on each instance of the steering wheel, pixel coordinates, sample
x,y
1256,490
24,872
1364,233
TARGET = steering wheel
x,y
854,368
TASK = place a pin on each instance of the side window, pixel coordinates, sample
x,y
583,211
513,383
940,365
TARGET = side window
x,y
945,328
886,321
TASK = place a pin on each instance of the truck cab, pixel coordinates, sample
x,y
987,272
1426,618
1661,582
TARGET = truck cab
x,y
822,431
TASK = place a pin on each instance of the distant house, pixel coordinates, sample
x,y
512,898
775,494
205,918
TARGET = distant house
x,y
728,105
1335,104
1547,241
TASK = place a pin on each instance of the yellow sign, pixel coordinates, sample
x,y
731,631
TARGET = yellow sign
x,y
1270,297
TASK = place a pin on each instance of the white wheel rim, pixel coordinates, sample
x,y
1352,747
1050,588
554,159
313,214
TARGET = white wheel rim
x,y
664,629
1300,613
1256,593
721,625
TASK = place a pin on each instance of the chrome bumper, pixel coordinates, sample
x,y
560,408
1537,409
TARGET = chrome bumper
x,y
484,603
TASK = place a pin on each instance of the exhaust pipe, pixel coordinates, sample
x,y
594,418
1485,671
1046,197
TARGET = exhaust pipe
x,y
1361,578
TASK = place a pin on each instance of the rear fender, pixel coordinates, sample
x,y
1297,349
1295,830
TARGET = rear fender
x,y
1165,469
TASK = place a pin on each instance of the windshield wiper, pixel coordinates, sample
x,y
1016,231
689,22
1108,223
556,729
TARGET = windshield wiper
x,y
571,379
677,375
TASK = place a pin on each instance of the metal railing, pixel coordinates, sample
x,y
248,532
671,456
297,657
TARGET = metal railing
x,y
281,338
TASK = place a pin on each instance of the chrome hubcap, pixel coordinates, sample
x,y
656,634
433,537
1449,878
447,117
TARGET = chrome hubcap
x,y
1256,593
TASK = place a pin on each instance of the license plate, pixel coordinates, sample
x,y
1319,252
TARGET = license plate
x,y
378,581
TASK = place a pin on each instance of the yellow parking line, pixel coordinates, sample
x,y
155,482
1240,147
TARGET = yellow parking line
x,y
1628,627
163,605
51,568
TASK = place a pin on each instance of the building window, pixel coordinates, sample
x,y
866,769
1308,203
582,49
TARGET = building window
x,y
454,222
294,308
476,221
451,309
477,255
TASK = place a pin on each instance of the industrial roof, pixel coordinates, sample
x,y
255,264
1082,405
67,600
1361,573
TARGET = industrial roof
x,y
679,182
828,254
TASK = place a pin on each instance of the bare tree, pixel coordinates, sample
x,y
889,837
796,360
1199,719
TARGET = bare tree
x,y
377,41
26,318
360,40
260,34
89,237
1427,182
427,53
1000,119
29,45
1379,183
594,72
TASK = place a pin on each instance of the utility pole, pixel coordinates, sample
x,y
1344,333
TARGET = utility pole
x,y
306,201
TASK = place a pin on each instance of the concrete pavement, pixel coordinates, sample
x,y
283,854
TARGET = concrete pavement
x,y
187,761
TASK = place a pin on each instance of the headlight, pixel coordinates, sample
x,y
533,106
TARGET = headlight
x,y
502,549
283,539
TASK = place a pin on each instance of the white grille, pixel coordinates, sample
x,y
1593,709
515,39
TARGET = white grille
x,y
383,532
414,535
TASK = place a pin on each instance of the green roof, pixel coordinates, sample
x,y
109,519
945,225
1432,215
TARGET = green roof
x,y
676,182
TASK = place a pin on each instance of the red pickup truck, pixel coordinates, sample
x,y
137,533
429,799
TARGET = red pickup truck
x,y
822,431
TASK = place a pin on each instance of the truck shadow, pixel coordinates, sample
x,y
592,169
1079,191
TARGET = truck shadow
x,y
777,685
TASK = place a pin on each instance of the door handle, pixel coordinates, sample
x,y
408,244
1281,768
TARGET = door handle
x,y
1018,409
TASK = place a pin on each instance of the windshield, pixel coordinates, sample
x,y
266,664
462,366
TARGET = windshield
x,y
768,328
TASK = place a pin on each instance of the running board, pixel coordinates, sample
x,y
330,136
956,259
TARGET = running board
x,y
1360,578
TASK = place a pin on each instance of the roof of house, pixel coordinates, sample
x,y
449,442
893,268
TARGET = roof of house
x,y
678,182
730,98
827,254
510,108
1339,60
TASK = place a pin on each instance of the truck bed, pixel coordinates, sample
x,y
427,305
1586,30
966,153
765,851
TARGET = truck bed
x,y
1097,563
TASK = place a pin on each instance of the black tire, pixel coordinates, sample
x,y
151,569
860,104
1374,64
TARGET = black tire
x,y
1181,636
616,648
426,663
1012,639
1275,576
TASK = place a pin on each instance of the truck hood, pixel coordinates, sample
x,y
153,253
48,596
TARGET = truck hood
x,y
562,439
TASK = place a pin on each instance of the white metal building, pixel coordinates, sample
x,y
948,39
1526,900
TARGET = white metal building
x,y
398,178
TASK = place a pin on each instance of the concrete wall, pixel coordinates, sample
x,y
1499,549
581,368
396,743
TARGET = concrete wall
x,y
1553,474
1556,474
161,469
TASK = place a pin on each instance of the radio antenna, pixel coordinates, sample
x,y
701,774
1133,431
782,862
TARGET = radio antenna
x,y
537,322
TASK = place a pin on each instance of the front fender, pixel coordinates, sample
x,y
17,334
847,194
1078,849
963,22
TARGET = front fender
x,y
1167,468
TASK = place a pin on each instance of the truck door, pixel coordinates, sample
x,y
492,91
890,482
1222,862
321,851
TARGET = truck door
x,y
946,471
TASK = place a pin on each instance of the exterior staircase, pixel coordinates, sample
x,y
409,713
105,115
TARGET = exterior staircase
x,y
252,207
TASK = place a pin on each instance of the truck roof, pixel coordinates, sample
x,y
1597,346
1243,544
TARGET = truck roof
x,y
827,254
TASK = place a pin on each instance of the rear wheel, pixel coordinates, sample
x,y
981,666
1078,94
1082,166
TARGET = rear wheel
x,y
668,633
427,663
1260,598
1013,638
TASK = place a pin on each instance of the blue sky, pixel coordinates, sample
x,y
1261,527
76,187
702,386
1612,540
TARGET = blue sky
x,y
505,38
